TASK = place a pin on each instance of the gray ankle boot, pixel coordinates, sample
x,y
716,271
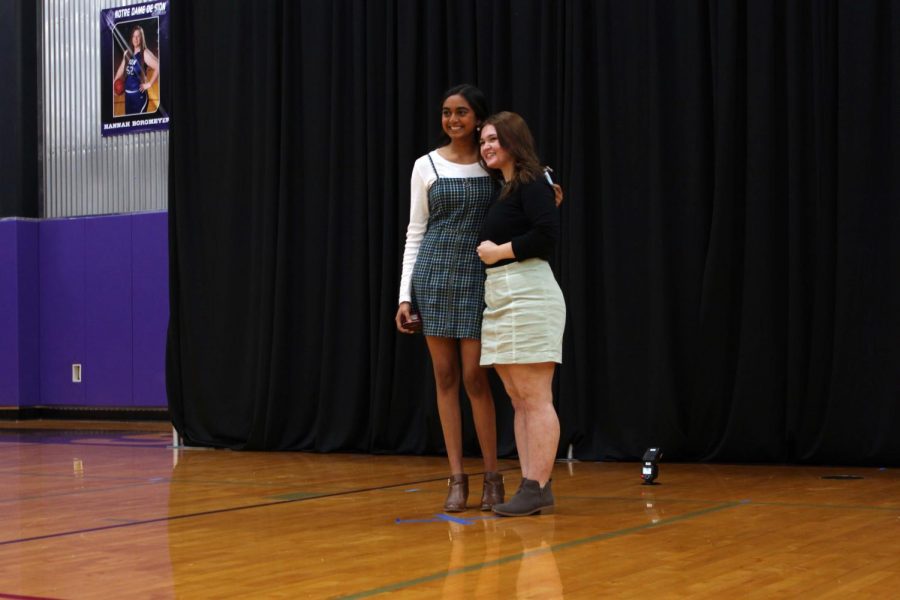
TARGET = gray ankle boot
x,y
530,499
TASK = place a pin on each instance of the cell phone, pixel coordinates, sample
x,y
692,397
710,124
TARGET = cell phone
x,y
547,171
413,323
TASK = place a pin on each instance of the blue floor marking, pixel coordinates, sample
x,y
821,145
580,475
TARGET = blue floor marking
x,y
452,519
399,521
447,518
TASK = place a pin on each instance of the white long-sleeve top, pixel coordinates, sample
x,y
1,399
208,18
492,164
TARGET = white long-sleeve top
x,y
423,177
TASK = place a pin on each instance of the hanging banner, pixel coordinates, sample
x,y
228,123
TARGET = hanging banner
x,y
134,53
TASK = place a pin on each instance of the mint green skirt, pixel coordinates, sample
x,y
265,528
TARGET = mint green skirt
x,y
524,315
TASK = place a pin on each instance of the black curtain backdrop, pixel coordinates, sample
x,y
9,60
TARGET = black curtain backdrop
x,y
730,250
19,72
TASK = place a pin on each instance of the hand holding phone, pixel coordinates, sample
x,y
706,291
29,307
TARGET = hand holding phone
x,y
413,323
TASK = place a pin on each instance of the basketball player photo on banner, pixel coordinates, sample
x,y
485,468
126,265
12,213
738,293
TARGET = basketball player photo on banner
x,y
134,52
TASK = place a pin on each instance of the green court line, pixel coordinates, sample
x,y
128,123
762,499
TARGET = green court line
x,y
748,502
79,492
393,587
827,506
296,496
228,482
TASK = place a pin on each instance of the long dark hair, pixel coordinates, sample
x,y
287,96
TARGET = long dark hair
x,y
476,99
515,137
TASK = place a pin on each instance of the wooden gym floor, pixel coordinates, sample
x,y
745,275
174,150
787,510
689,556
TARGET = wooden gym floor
x,y
96,510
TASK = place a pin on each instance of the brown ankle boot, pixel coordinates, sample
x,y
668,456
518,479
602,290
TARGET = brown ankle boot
x,y
492,492
458,493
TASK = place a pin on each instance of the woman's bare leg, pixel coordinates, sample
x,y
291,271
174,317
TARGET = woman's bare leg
x,y
475,378
532,386
519,428
445,360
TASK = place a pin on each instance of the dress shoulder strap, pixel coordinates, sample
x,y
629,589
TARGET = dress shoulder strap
x,y
432,166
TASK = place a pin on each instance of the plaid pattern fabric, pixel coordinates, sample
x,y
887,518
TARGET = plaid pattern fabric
x,y
448,279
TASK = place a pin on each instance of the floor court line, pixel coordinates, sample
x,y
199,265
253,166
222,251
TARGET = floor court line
x,y
314,496
214,512
827,506
556,547
86,444
18,597
143,479
747,501
21,499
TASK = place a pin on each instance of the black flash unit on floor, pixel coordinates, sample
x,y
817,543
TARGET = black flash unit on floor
x,y
650,469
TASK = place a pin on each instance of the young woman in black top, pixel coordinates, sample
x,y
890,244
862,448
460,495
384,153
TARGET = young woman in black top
x,y
525,312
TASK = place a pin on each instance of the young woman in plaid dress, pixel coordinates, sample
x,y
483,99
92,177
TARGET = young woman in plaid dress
x,y
443,281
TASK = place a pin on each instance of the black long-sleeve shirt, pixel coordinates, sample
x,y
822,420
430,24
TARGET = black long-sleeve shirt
x,y
528,218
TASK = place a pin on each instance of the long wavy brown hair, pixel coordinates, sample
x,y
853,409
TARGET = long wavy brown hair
x,y
515,137
130,51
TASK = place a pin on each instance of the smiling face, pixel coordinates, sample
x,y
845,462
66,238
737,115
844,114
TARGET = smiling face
x,y
136,39
457,118
494,154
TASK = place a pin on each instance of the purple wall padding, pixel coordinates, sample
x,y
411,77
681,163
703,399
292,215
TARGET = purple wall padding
x,y
107,311
103,303
9,313
29,313
150,298
88,290
19,354
62,306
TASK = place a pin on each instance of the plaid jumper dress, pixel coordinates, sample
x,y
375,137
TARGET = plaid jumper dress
x,y
448,279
